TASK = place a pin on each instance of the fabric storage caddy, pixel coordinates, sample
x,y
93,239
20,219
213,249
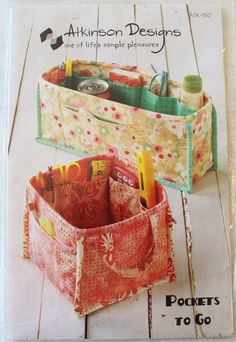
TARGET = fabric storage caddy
x,y
183,147
105,245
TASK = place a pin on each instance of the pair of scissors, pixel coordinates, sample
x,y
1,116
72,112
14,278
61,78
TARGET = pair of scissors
x,y
65,174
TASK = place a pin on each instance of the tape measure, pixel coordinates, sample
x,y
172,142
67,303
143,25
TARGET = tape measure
x,y
97,169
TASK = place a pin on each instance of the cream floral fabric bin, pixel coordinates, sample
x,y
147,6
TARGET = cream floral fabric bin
x,y
183,147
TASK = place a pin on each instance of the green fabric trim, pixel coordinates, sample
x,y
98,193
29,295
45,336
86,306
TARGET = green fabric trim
x,y
214,138
189,154
38,105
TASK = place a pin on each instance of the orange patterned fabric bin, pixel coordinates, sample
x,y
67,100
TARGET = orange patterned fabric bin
x,y
106,246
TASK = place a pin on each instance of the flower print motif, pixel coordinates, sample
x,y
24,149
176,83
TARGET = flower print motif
x,y
169,155
75,116
198,156
59,124
72,133
158,116
117,128
103,130
111,150
56,117
135,109
105,109
117,116
107,242
137,148
158,148
113,109
97,139
86,73
81,202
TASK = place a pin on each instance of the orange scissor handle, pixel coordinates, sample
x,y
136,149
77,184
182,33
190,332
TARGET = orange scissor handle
x,y
65,174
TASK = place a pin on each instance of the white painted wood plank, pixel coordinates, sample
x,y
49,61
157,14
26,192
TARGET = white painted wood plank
x,y
59,320
212,71
210,259
21,24
164,322
116,17
124,320
180,52
206,203
149,16
23,296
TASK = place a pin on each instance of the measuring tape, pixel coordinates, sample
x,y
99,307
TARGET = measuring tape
x,y
97,169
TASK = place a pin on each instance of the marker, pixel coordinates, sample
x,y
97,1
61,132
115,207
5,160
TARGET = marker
x,y
146,179
68,74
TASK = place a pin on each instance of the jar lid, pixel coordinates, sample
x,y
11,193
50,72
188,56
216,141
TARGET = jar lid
x,y
192,84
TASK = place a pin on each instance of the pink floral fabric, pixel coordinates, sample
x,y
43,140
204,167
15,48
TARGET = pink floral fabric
x,y
95,265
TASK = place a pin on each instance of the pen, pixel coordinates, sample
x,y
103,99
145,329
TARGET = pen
x,y
61,73
146,179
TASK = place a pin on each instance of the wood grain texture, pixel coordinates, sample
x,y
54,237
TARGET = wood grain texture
x,y
36,309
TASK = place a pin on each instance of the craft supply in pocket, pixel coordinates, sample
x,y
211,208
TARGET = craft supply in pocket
x,y
68,74
147,121
95,86
61,73
126,77
97,169
100,228
47,225
192,95
64,175
146,179
48,192
123,176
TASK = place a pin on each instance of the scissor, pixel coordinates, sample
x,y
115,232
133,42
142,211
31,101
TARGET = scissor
x,y
64,173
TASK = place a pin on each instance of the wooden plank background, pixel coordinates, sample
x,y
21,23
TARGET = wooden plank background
x,y
36,310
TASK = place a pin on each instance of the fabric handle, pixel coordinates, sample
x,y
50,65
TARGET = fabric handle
x,y
149,258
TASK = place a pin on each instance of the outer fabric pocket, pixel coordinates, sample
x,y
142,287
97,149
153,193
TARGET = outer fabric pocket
x,y
91,134
58,262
